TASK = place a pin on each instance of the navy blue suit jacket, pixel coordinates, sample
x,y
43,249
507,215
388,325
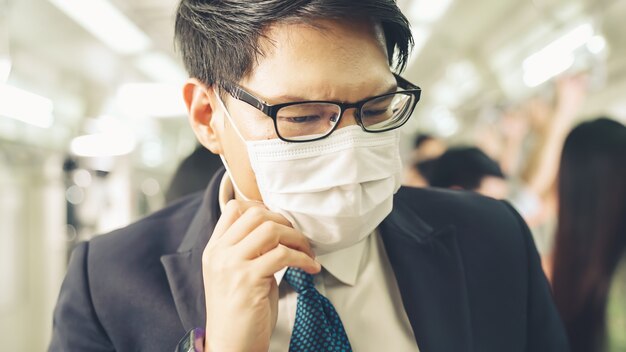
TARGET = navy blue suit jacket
x,y
467,269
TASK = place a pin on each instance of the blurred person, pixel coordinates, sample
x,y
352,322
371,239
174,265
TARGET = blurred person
x,y
549,123
528,138
470,169
527,141
589,269
551,126
426,147
307,237
193,174
514,127
424,170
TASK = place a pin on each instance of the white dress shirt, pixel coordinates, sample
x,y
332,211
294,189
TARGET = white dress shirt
x,y
361,285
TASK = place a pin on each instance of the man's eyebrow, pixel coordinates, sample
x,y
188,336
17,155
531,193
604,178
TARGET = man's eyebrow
x,y
296,98
392,88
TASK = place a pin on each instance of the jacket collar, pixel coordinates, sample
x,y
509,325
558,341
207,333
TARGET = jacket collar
x,y
184,268
426,261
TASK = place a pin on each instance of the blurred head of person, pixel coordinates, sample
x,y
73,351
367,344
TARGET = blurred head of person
x,y
591,233
467,168
427,146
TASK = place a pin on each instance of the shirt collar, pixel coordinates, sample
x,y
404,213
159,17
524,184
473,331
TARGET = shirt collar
x,y
343,264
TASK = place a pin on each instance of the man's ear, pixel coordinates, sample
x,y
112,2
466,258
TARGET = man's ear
x,y
200,107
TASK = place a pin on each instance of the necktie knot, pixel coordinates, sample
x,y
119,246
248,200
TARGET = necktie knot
x,y
299,280
317,326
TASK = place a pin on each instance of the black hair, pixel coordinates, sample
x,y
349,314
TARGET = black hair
x,y
591,231
426,168
463,167
219,39
420,139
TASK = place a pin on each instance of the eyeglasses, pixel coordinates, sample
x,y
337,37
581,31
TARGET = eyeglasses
x,y
306,121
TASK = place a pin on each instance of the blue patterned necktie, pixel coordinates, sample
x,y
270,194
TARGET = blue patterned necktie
x,y
317,326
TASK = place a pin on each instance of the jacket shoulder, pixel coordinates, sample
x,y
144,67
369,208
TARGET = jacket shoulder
x,y
462,209
489,232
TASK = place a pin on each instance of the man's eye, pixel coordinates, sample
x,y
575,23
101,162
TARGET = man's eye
x,y
302,119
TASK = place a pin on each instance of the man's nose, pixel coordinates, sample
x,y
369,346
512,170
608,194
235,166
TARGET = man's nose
x,y
348,118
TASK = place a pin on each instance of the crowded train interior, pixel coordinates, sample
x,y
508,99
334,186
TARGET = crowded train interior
x,y
94,132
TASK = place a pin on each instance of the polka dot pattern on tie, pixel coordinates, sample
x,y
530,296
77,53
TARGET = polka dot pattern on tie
x,y
318,326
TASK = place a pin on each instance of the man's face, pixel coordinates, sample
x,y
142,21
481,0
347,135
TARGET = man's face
x,y
339,61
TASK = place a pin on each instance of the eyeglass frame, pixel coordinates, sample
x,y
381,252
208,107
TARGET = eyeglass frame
x,y
271,110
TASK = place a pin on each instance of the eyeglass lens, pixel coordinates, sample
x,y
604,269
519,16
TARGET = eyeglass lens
x,y
312,120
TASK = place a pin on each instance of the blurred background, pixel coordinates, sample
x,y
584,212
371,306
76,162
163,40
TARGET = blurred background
x,y
93,127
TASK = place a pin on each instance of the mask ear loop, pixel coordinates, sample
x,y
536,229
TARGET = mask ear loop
x,y
232,180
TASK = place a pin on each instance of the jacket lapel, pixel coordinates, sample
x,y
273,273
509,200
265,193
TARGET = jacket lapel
x,y
184,268
430,274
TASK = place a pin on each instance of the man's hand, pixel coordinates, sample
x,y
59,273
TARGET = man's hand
x,y
249,244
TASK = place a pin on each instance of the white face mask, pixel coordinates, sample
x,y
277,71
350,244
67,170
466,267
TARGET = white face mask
x,y
335,190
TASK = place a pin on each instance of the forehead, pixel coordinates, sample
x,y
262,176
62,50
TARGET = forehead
x,y
342,60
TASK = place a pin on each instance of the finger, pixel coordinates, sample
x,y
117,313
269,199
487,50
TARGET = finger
x,y
231,212
251,218
268,236
280,257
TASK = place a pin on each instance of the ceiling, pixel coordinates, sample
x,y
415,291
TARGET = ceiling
x,y
484,40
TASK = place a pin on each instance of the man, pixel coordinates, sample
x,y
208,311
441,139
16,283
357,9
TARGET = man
x,y
469,168
297,246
